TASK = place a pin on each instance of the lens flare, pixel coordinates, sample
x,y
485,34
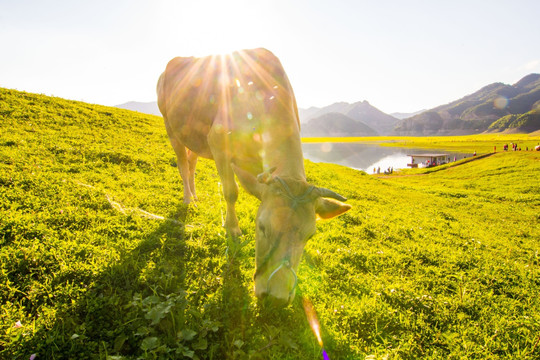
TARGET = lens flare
x,y
326,147
314,324
501,102
313,321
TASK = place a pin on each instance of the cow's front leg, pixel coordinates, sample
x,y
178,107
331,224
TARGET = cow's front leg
x,y
216,141
230,191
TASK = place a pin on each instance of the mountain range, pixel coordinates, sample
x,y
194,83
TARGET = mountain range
x,y
477,112
336,120
357,119
335,124
494,108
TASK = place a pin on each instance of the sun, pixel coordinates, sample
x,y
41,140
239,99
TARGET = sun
x,y
214,27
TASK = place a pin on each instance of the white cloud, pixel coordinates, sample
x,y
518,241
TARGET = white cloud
x,y
533,65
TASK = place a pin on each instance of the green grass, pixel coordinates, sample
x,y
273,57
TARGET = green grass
x,y
431,264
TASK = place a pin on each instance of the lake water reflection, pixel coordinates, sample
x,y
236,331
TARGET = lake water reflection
x,y
366,156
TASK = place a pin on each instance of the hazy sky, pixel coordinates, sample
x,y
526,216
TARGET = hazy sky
x,y
399,55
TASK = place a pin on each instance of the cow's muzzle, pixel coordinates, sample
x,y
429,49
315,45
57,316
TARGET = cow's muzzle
x,y
269,295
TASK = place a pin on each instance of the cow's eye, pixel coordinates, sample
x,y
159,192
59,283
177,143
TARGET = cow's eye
x,y
262,229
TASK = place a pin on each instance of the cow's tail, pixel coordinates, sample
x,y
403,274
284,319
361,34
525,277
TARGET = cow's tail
x,y
295,107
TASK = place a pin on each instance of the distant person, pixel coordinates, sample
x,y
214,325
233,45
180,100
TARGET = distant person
x,y
495,148
474,153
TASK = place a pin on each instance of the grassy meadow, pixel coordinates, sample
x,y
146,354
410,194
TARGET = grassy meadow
x,y
100,258
483,143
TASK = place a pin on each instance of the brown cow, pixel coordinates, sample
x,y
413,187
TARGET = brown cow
x,y
239,109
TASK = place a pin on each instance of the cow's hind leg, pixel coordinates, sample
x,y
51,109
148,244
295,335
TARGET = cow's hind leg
x,y
183,168
192,162
182,162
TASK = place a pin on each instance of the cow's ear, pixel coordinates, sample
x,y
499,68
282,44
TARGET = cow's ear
x,y
249,182
329,208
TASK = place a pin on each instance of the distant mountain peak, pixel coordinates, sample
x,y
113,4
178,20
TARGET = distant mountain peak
x,y
527,80
142,107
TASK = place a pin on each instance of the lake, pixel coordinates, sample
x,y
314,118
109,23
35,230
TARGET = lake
x,y
366,157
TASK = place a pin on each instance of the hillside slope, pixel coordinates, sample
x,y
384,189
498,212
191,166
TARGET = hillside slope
x,y
474,113
99,257
524,123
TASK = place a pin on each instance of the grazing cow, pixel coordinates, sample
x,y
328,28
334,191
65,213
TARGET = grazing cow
x,y
239,109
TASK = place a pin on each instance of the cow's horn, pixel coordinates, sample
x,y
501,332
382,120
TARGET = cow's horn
x,y
322,192
266,177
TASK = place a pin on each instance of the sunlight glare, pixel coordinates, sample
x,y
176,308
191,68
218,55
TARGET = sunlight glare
x,y
312,319
215,27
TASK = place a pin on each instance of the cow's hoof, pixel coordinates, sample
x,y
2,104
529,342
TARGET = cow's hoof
x,y
234,246
190,202
235,233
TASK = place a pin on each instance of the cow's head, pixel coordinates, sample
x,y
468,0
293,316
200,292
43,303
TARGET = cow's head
x,y
285,221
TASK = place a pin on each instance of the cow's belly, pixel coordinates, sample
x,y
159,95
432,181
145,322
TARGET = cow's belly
x,y
243,146
197,142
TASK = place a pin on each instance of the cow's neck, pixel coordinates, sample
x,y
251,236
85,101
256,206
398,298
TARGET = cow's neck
x,y
283,151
